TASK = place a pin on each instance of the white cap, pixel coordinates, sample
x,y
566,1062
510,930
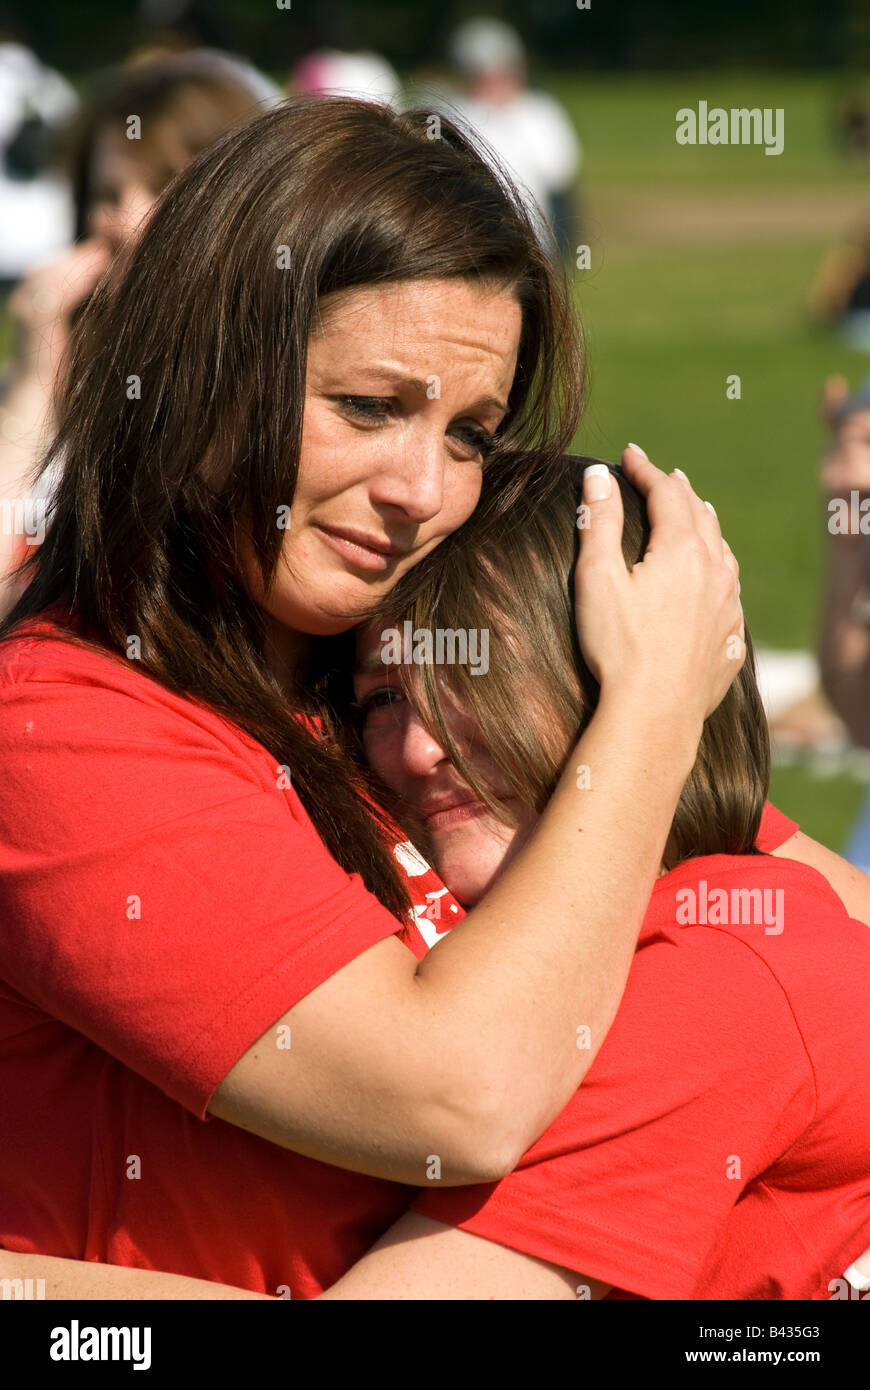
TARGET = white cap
x,y
486,45
367,75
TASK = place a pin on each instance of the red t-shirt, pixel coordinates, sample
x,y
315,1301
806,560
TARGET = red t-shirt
x,y
720,1144
163,901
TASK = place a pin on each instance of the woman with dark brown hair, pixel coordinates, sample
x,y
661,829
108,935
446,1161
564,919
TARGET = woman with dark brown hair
x,y
333,340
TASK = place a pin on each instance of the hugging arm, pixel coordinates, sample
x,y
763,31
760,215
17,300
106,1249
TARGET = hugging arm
x,y
416,1259
83,1279
423,1260
471,1052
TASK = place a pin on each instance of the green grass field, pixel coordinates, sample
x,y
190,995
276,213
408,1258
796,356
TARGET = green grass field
x,y
701,259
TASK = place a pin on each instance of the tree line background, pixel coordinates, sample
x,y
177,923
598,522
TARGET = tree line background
x,y
611,34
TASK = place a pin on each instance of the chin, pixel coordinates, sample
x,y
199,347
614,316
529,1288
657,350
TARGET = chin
x,y
324,610
469,863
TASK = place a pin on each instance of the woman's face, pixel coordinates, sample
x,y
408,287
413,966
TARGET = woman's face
x,y
120,201
469,846
405,382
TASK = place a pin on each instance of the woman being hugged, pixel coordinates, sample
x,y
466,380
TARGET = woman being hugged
x,y
303,378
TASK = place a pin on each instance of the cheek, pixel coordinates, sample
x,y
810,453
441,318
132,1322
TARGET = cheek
x,y
324,455
462,488
383,753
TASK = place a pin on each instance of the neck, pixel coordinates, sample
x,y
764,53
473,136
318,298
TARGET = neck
x,y
286,652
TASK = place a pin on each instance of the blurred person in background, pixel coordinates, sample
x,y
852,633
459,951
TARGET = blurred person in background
x,y
844,644
853,122
527,129
36,211
367,76
184,103
839,297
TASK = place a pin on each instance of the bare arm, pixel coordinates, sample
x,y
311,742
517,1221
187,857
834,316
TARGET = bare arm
x,y
84,1279
850,884
416,1259
465,1057
422,1260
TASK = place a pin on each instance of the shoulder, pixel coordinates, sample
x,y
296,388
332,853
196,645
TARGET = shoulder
x,y
742,892
755,916
74,715
87,685
45,648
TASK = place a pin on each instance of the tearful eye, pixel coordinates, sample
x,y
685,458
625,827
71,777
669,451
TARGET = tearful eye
x,y
367,407
476,438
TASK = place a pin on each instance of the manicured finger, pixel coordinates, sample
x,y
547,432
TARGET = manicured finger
x,y
667,501
600,519
704,514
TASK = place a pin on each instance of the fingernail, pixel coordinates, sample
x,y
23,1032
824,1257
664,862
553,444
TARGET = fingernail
x,y
596,482
680,474
639,449
858,1280
707,504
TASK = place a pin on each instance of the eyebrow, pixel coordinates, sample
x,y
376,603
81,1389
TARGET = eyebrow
x,y
398,379
370,665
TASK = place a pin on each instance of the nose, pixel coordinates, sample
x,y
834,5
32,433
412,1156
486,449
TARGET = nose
x,y
412,479
421,752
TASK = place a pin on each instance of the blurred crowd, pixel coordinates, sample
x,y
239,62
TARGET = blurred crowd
x,y
80,171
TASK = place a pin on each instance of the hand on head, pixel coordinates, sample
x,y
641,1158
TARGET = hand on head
x,y
672,627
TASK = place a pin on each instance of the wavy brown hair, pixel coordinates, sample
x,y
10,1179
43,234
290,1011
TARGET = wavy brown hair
x,y
157,493
515,579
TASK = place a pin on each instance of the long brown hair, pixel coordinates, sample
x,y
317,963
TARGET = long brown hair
x,y
515,580
144,532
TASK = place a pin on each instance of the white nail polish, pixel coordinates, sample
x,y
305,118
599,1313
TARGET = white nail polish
x,y
710,506
859,1281
680,474
630,445
601,489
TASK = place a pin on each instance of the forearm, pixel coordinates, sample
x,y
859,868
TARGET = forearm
x,y
534,976
25,427
55,1278
844,646
474,1050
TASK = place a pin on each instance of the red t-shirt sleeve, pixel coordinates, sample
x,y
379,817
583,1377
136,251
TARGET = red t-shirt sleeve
x,y
774,830
701,1083
159,892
